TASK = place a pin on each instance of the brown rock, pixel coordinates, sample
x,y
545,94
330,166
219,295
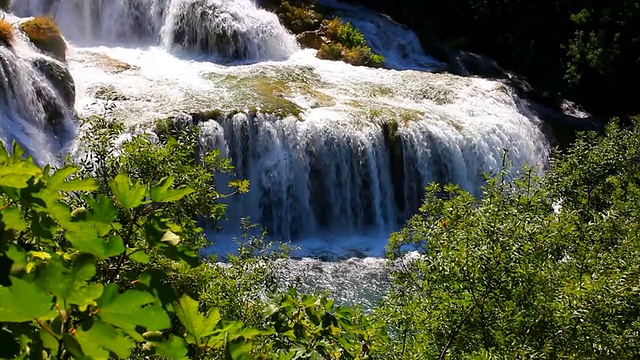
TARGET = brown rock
x,y
310,39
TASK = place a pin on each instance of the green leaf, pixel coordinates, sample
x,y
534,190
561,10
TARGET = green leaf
x,y
101,339
140,256
179,253
79,185
85,239
70,285
129,194
23,301
162,192
132,309
197,325
238,350
102,209
174,348
16,175
171,238
57,181
13,219
269,310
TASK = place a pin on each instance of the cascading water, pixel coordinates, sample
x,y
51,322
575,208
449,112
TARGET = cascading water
x,y
337,155
225,29
36,100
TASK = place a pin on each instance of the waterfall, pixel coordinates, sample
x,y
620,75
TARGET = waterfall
x,y
224,29
349,176
331,151
36,101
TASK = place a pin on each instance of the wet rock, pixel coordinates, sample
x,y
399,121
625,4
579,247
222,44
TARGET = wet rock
x,y
60,79
108,93
106,63
311,39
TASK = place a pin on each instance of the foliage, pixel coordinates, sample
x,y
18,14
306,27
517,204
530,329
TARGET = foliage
x,y
347,44
336,39
584,50
46,36
298,15
506,275
172,152
345,34
59,265
6,33
308,327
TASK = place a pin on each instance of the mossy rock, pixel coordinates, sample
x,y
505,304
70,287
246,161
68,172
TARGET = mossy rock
x,y
60,78
4,4
108,93
6,33
106,63
46,36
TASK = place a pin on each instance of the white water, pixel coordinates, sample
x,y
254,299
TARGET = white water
x,y
328,182
225,29
32,109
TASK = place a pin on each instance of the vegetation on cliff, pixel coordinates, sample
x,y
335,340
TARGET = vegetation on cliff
x,y
334,38
46,36
588,51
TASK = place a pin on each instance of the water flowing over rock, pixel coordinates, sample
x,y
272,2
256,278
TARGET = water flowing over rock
x,y
224,29
332,151
37,95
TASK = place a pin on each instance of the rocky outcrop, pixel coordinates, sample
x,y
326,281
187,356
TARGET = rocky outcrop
x,y
60,78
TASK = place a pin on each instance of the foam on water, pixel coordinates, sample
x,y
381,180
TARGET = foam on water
x,y
223,29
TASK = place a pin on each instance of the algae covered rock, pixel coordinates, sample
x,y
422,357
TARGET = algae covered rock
x,y
46,36
6,33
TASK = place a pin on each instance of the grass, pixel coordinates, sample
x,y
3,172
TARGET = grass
x,y
6,33
45,35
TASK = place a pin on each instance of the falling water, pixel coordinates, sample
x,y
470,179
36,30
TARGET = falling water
x,y
337,155
225,29
36,100
332,151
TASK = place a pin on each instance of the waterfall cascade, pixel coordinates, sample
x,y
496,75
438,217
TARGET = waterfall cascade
x,y
348,150
36,100
221,28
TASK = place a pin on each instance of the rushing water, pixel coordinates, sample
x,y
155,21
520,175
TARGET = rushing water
x,y
327,170
34,109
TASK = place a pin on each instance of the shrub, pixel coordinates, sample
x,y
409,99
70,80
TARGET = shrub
x,y
45,35
331,51
348,44
350,36
362,55
6,33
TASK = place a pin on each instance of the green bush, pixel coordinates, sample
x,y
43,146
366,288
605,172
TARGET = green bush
x,y
507,276
350,36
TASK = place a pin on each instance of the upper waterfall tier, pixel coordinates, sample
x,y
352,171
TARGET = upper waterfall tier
x,y
37,96
224,29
